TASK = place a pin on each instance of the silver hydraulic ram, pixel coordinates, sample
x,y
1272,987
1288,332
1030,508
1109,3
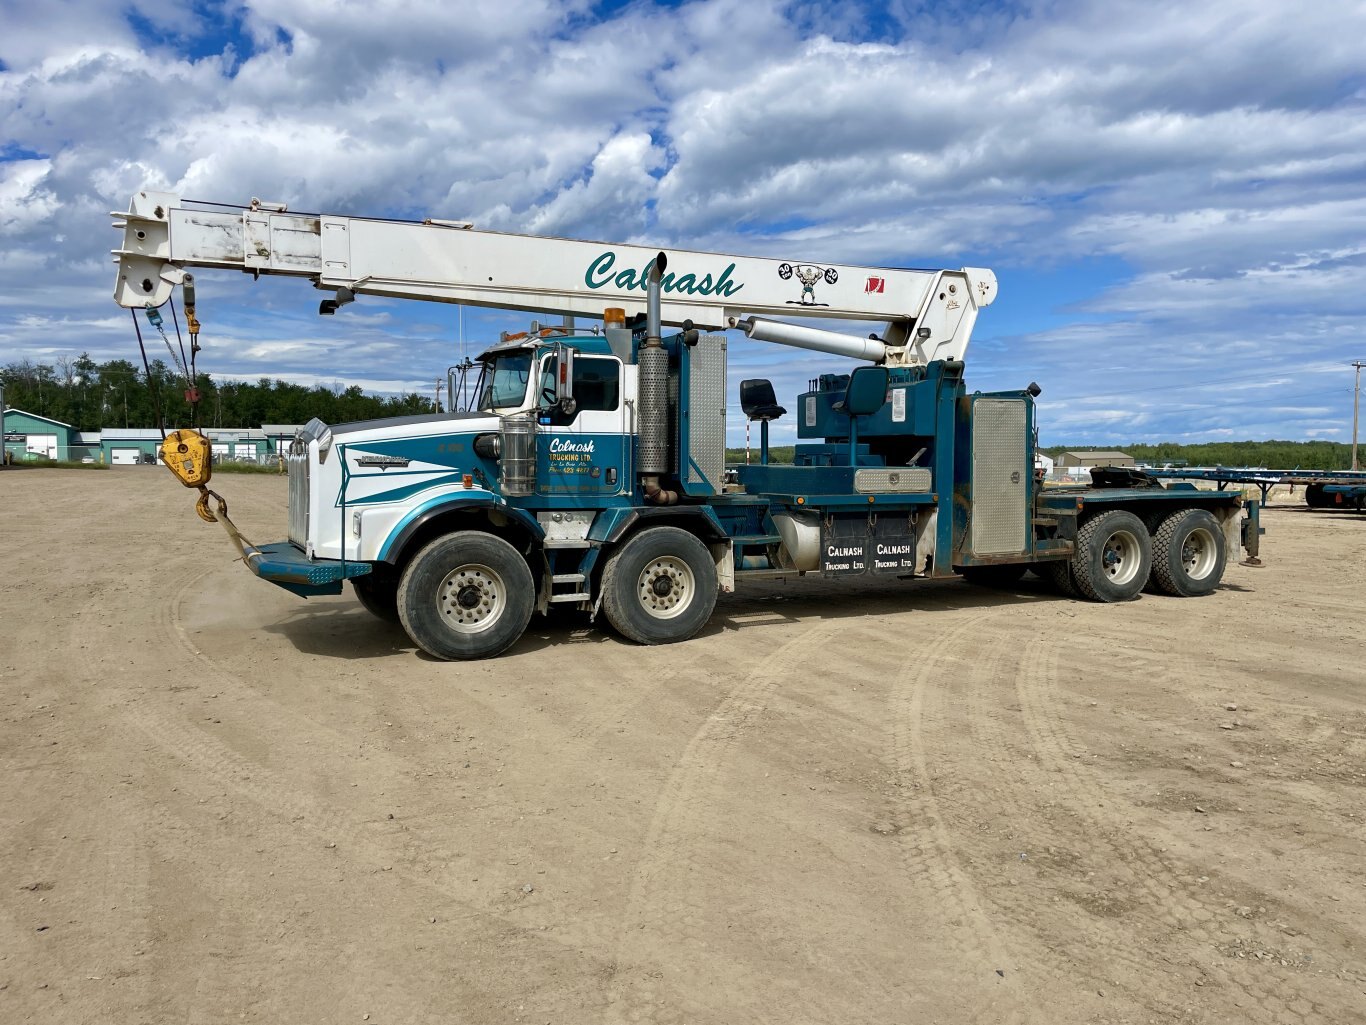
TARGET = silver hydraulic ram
x,y
833,342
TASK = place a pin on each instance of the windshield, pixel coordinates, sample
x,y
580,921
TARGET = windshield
x,y
502,383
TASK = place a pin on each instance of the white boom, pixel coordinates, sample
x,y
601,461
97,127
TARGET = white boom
x,y
930,313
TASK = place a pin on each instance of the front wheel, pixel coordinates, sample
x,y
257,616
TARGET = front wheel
x,y
1112,557
377,592
1188,553
659,587
467,595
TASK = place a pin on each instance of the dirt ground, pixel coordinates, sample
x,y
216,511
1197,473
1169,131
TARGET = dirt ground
x,y
907,802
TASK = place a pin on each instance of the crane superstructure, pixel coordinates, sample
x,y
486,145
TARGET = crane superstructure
x,y
591,473
929,313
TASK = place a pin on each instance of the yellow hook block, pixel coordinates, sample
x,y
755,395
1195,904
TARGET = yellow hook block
x,y
189,455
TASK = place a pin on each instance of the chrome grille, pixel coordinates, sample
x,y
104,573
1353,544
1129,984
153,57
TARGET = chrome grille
x,y
297,464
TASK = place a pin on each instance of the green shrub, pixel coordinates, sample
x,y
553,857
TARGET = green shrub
x,y
232,467
53,464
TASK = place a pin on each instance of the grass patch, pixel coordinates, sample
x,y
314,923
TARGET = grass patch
x,y
271,468
54,464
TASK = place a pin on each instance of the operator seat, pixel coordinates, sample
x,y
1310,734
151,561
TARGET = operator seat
x,y
758,401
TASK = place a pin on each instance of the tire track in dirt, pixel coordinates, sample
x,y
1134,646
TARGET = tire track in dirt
x,y
661,904
979,700
218,768
682,665
84,877
928,847
1330,804
88,894
1155,884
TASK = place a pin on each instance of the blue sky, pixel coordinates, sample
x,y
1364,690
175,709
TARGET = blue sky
x,y
1173,198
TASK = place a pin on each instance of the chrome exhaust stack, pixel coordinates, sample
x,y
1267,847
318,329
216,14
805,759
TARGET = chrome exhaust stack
x,y
653,394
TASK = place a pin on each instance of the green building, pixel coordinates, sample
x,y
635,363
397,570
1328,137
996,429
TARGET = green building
x,y
30,437
129,446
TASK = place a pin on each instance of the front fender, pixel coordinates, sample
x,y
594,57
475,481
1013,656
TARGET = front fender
x,y
408,527
612,524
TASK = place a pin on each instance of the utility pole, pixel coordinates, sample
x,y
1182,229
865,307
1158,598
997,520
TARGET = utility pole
x,y
1356,409
438,395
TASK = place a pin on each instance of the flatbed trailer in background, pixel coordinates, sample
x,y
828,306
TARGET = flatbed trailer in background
x,y
1323,489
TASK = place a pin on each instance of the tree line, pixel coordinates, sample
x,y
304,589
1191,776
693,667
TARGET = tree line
x,y
91,396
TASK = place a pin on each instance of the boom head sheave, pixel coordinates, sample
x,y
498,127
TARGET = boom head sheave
x,y
929,313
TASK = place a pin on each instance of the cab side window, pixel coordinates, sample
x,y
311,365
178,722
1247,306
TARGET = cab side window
x,y
597,383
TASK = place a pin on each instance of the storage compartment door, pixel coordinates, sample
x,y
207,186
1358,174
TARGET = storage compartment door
x,y
1000,477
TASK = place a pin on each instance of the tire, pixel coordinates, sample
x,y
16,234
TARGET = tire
x,y
1113,557
1004,576
1316,498
377,592
1188,553
659,587
467,595
1059,574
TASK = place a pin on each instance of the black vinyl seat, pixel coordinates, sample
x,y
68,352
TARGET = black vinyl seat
x,y
758,401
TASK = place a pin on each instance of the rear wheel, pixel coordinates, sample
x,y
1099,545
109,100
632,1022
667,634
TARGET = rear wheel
x,y
1316,498
1059,574
1113,556
993,576
659,587
1188,553
466,595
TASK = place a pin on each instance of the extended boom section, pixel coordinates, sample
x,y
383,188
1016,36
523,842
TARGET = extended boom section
x,y
929,313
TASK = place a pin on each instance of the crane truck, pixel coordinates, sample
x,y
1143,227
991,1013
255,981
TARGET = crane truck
x,y
591,473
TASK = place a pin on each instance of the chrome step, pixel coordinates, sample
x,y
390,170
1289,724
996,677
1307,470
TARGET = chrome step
x,y
576,596
568,578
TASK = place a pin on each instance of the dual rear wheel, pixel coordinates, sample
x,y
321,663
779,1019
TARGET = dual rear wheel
x,y
1116,556
659,587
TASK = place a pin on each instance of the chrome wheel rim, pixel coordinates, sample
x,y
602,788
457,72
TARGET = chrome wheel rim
x,y
471,598
1121,557
666,587
1199,554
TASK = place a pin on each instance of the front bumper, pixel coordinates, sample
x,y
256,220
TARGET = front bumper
x,y
282,563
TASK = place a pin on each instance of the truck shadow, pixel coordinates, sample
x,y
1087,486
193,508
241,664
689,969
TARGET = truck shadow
x,y
344,630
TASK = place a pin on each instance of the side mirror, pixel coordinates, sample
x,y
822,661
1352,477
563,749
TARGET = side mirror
x,y
867,391
564,376
558,391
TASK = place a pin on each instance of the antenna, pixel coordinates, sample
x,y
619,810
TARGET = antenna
x,y
1356,410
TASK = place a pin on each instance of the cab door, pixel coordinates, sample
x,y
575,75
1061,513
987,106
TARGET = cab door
x,y
584,452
